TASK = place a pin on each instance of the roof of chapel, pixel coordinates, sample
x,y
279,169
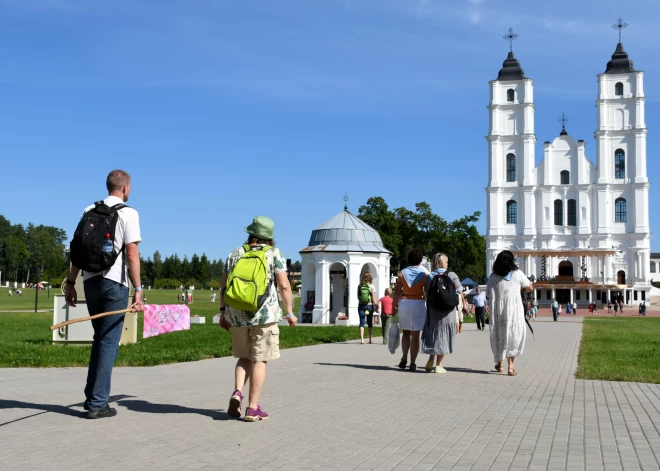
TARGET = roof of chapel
x,y
345,233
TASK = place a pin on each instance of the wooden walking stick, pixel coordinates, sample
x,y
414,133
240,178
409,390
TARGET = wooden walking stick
x,y
89,318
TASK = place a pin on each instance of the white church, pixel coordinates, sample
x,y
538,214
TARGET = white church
x,y
580,229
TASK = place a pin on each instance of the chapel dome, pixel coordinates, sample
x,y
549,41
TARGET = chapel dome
x,y
511,69
345,233
620,63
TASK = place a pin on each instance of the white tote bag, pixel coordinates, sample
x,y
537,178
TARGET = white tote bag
x,y
395,339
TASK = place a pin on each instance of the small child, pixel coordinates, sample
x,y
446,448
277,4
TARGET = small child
x,y
386,313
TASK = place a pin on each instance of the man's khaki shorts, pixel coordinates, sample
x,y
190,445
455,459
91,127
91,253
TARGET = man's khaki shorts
x,y
257,342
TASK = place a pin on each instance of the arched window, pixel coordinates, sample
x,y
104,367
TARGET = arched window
x,y
619,164
511,212
618,89
571,211
511,168
652,267
620,210
510,95
564,177
559,213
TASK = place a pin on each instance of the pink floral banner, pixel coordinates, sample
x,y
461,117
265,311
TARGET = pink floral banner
x,y
165,318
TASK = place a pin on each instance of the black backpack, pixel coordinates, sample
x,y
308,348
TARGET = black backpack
x,y
442,293
87,245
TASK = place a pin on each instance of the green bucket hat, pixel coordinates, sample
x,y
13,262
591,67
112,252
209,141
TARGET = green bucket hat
x,y
262,227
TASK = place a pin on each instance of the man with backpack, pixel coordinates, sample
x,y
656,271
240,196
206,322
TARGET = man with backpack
x,y
105,248
250,308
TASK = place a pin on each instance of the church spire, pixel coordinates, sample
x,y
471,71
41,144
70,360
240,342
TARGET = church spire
x,y
620,63
563,120
511,69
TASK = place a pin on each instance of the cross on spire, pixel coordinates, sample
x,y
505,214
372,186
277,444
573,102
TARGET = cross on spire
x,y
620,25
563,120
345,201
510,36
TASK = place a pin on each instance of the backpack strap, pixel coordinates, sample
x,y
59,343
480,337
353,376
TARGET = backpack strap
x,y
122,252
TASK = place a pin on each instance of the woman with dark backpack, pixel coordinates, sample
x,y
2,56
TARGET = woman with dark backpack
x,y
366,304
441,315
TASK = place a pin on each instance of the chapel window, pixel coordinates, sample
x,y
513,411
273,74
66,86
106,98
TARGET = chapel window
x,y
619,164
559,213
511,168
620,210
618,89
652,267
564,177
572,213
511,212
510,95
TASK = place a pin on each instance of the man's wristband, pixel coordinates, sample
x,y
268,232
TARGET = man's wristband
x,y
138,288
290,315
69,282
222,308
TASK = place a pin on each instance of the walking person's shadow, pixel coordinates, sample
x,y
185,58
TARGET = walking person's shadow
x,y
137,405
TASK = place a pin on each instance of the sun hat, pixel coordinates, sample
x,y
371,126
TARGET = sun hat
x,y
262,227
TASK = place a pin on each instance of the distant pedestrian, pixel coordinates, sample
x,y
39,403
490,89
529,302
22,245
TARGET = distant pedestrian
x,y
575,309
591,308
535,308
616,308
213,297
479,303
595,308
386,313
366,305
555,309
10,293
106,290
254,333
620,306
528,310
642,309
568,309
178,297
507,322
609,306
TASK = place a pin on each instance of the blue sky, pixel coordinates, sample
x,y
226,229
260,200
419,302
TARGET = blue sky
x,y
222,110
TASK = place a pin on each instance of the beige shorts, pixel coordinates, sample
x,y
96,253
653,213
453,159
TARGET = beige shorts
x,y
257,342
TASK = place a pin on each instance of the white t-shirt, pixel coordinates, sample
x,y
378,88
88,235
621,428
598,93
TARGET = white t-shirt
x,y
126,232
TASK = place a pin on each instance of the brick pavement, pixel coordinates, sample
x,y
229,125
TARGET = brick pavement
x,y
342,406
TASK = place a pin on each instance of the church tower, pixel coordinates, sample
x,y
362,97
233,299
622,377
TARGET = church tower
x,y
511,140
622,182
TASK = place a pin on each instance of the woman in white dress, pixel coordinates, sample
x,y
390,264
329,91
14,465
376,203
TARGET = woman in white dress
x,y
507,316
410,305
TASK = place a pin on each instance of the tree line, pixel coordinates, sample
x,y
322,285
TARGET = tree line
x,y
39,253
402,229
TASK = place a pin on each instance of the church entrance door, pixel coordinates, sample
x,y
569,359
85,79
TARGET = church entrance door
x,y
621,277
563,296
566,269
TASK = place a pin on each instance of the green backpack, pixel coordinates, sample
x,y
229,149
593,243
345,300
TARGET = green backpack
x,y
364,294
248,284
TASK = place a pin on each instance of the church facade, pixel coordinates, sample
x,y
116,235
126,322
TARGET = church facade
x,y
580,229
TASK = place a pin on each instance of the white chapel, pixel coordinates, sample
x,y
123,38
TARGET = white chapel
x,y
580,228
339,252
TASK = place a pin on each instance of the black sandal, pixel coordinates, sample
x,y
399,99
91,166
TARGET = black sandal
x,y
403,362
413,367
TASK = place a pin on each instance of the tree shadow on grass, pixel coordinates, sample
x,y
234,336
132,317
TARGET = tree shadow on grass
x,y
153,408
45,408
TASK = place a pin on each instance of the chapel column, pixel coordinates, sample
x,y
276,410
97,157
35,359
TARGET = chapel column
x,y
609,295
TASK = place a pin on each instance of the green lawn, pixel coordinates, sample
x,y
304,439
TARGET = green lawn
x,y
620,349
25,340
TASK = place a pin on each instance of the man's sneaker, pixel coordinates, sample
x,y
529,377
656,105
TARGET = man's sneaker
x,y
86,405
107,411
429,365
235,402
255,415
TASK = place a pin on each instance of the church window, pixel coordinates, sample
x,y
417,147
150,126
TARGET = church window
x,y
652,267
572,213
511,212
510,95
618,89
564,176
559,213
511,168
619,164
620,210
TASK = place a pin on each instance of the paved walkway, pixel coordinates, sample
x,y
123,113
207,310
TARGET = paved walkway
x,y
342,406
